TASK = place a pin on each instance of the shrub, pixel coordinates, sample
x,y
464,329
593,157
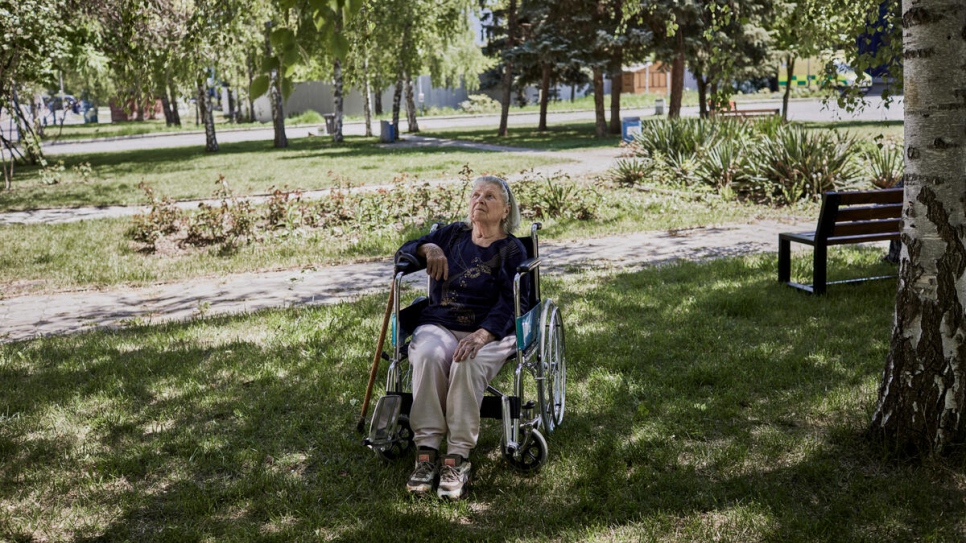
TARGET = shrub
x,y
480,103
556,196
763,160
799,163
886,162
163,219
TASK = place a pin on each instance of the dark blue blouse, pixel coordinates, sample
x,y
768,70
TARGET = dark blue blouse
x,y
479,290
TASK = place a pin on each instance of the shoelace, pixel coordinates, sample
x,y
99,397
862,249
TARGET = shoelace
x,y
448,474
423,470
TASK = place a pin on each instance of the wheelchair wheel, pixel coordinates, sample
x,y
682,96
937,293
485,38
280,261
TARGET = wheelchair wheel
x,y
552,389
530,456
403,443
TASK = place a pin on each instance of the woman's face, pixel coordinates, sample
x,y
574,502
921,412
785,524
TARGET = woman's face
x,y
487,206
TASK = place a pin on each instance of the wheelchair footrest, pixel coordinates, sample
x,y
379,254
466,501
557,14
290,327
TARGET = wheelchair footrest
x,y
493,407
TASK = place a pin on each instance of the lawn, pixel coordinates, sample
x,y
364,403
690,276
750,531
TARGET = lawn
x,y
250,168
98,253
706,402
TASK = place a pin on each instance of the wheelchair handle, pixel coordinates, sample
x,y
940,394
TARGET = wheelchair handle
x,y
406,263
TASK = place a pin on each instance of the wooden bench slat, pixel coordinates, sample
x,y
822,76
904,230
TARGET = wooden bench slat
x,y
884,226
860,213
851,240
881,196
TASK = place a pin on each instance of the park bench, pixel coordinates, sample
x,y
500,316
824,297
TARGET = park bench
x,y
734,112
845,218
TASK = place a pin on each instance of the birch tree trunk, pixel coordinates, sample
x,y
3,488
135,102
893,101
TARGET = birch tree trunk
x,y
275,95
339,102
207,117
411,106
366,94
922,394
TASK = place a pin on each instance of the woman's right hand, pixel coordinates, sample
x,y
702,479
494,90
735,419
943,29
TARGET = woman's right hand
x,y
436,264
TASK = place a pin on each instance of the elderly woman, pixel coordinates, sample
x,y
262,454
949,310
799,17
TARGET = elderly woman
x,y
464,335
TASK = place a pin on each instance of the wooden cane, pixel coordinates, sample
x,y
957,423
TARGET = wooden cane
x,y
375,359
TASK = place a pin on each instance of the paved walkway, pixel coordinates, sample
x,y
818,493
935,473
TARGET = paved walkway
x,y
27,317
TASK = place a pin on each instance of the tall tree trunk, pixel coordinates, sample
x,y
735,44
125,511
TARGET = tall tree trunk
x,y
366,94
207,117
677,78
377,101
250,100
339,102
410,106
508,71
232,114
922,397
702,94
600,128
616,87
789,71
275,95
166,107
173,97
397,101
545,70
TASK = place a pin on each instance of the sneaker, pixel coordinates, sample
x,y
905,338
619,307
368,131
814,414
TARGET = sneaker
x,y
454,477
423,477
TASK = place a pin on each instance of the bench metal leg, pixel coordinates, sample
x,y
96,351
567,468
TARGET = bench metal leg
x,y
784,260
819,267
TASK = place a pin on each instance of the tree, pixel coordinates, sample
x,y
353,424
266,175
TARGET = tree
x,y
922,396
732,44
35,44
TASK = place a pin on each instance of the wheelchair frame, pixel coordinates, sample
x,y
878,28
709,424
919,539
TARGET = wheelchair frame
x,y
540,353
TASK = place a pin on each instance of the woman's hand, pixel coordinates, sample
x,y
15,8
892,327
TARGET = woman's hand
x,y
436,264
471,344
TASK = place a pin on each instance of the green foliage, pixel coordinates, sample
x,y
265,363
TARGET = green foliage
x,y
480,103
765,160
886,162
162,220
556,196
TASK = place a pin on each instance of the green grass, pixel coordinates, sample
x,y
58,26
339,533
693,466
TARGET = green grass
x,y
249,167
97,254
706,402
558,137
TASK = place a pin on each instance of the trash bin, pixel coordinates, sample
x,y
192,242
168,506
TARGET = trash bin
x,y
387,132
329,123
659,106
630,128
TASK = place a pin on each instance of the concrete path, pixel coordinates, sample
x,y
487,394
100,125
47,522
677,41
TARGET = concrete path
x,y
28,317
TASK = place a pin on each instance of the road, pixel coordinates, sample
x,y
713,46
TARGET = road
x,y
810,110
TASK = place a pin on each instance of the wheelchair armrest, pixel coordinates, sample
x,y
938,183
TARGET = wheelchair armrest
x,y
528,265
407,263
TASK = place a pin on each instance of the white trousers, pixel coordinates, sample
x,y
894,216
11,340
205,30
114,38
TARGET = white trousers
x,y
447,395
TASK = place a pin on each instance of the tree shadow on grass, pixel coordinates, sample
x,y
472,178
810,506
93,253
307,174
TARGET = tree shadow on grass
x,y
704,399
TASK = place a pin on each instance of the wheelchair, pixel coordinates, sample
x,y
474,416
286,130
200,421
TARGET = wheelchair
x,y
539,383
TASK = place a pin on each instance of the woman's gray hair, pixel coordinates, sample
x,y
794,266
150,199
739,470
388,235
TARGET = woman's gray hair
x,y
512,220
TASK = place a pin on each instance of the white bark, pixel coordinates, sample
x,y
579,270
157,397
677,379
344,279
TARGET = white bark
x,y
922,396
